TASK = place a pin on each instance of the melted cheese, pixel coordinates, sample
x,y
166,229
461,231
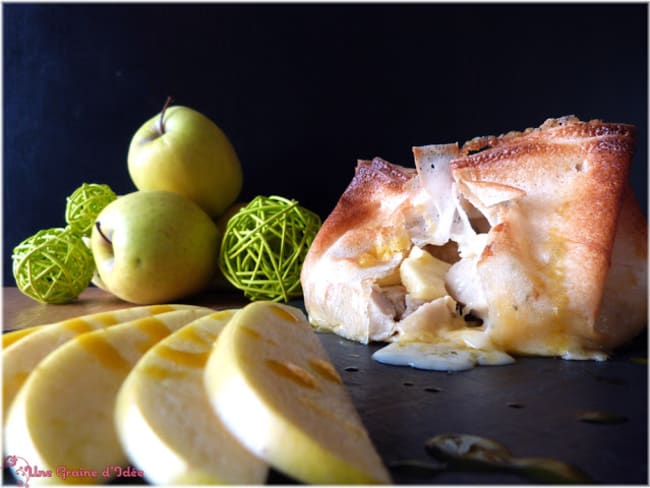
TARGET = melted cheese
x,y
431,333
434,336
440,356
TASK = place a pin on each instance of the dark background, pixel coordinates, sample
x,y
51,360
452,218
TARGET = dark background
x,y
302,90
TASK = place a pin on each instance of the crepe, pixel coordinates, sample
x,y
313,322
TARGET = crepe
x,y
536,237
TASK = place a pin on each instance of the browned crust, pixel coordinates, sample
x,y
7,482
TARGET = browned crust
x,y
624,305
567,127
554,152
633,226
574,174
373,181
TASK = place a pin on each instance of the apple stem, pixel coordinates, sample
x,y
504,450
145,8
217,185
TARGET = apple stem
x,y
99,229
161,124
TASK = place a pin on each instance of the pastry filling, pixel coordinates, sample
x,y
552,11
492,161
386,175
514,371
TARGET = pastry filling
x,y
435,293
439,307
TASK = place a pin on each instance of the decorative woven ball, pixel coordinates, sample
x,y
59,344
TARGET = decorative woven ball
x,y
53,265
84,205
264,246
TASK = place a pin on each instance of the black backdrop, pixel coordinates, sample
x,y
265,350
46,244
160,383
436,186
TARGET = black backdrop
x,y
302,90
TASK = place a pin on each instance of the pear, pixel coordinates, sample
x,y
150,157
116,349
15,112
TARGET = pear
x,y
166,423
272,384
63,414
154,247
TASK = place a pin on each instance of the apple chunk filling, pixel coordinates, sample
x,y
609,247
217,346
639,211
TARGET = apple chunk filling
x,y
438,307
423,275
430,272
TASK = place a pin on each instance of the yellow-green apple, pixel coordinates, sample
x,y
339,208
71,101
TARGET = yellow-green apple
x,y
154,247
220,283
183,151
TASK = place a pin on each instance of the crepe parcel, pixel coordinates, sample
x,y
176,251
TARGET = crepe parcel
x,y
530,242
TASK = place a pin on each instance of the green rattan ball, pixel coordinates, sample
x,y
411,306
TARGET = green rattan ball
x,y
264,246
53,265
84,205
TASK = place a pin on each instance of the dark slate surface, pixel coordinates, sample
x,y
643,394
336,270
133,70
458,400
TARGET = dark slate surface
x,y
531,407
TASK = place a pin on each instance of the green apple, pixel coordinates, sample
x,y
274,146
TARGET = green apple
x,y
154,247
219,282
183,151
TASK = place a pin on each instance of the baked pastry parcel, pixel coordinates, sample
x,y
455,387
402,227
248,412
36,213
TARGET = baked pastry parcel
x,y
528,243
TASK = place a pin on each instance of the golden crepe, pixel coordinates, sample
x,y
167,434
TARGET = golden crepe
x,y
527,243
